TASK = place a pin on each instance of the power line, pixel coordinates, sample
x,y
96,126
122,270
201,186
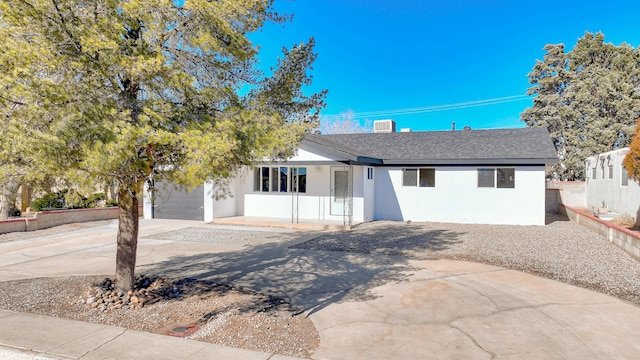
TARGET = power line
x,y
436,108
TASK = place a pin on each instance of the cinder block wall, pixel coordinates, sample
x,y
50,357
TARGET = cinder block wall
x,y
47,219
572,193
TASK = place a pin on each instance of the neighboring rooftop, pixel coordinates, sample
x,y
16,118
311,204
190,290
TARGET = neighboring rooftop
x,y
504,146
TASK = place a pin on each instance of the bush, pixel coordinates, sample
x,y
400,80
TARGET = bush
x,y
95,200
74,200
54,200
70,199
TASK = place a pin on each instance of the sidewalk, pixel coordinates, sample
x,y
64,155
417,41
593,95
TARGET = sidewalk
x,y
29,336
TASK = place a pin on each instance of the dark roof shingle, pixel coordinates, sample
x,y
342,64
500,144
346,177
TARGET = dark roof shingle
x,y
526,145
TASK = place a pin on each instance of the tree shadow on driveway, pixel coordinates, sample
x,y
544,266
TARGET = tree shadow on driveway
x,y
329,268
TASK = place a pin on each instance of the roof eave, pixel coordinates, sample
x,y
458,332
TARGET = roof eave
x,y
501,161
335,154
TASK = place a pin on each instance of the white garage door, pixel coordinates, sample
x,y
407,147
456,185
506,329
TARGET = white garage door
x,y
171,203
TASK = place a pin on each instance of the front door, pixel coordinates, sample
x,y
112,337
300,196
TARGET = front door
x,y
340,191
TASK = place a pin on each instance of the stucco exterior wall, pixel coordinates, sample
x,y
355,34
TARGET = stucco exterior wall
x,y
457,198
610,190
220,202
368,193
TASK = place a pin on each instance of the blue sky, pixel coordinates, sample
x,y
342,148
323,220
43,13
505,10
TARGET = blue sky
x,y
378,58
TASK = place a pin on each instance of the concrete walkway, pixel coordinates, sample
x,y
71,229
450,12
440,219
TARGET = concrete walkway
x,y
364,306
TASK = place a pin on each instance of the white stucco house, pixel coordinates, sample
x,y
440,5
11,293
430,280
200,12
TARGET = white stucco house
x,y
466,176
609,187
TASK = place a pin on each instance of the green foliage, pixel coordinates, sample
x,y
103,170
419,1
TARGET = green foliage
x,y
53,200
587,98
122,90
125,91
70,199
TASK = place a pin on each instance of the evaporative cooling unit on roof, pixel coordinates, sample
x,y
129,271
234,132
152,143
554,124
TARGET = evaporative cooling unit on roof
x,y
384,126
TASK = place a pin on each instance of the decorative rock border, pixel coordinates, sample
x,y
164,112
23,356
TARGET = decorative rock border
x,y
105,297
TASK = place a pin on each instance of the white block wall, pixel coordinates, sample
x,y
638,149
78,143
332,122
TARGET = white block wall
x,y
457,198
624,200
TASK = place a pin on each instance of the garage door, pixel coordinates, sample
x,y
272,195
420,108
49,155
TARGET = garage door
x,y
171,203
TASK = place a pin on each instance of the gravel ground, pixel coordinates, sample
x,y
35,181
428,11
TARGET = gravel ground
x,y
222,236
225,316
562,250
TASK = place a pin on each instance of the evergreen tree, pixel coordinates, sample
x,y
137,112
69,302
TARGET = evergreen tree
x,y
130,90
587,99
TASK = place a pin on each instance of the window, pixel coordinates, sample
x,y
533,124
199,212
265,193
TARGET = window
x,y
506,178
486,177
624,176
280,179
610,172
409,177
369,173
602,171
298,180
593,173
427,177
256,179
265,179
302,180
274,179
419,177
284,174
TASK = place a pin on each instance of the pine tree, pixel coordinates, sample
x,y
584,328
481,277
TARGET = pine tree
x,y
127,91
586,98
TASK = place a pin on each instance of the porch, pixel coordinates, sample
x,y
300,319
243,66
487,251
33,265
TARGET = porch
x,y
302,224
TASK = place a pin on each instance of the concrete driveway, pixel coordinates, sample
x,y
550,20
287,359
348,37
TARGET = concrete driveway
x,y
364,306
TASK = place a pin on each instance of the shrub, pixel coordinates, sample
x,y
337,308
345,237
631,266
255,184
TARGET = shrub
x,y
74,200
70,199
54,200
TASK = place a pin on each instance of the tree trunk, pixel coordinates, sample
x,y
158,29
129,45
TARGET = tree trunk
x,y
127,238
8,201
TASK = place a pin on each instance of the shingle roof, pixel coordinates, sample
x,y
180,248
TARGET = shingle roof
x,y
505,146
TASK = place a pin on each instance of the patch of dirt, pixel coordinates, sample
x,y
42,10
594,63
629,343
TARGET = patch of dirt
x,y
224,315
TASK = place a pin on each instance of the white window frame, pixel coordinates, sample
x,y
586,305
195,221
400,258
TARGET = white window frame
x,y
496,184
418,171
276,186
